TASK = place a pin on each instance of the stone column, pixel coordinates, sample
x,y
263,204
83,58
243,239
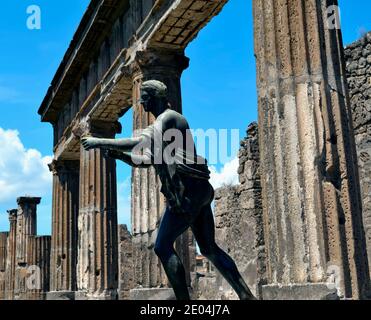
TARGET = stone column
x,y
38,279
148,203
64,229
312,215
26,228
3,253
97,268
11,255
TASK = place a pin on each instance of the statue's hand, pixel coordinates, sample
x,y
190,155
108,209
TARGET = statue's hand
x,y
90,143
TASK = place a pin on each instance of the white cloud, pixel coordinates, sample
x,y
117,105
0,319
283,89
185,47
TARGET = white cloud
x,y
22,171
228,175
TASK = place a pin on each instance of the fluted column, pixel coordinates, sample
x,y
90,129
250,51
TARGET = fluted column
x,y
26,228
38,283
64,229
148,203
97,269
26,225
3,254
311,202
11,255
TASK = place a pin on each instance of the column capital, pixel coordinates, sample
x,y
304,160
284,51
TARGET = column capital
x,y
12,215
97,128
151,61
64,166
28,200
104,129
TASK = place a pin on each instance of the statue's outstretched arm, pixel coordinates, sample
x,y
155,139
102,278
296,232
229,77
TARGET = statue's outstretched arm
x,y
125,144
137,161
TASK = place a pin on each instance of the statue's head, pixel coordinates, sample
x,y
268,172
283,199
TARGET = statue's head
x,y
153,94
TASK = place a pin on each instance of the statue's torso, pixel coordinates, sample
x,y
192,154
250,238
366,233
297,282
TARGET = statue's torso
x,y
175,160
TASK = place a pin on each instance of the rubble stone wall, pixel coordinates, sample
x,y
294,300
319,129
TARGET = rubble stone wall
x,y
126,263
358,67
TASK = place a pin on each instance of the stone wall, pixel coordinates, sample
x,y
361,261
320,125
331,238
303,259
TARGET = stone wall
x,y
239,224
358,67
126,263
239,227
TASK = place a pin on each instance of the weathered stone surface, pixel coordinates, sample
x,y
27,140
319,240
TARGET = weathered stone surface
x,y
64,225
152,294
97,267
26,226
309,291
3,257
38,271
11,255
26,231
310,193
126,263
359,75
24,257
60,295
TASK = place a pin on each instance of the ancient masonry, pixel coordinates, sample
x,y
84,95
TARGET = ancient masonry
x,y
358,58
294,224
239,215
24,256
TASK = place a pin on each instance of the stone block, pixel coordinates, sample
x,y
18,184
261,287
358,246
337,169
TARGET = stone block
x,y
152,294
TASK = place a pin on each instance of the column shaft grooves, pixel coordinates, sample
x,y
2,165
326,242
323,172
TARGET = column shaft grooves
x,y
311,222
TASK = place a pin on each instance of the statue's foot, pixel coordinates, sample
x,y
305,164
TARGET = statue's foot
x,y
251,298
90,143
247,296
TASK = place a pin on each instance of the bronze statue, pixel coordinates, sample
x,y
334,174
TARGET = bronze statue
x,y
185,184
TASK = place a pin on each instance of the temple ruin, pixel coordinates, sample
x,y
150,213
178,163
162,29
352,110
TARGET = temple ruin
x,y
299,222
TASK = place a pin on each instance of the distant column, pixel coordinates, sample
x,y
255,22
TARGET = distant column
x,y
3,254
11,255
64,229
148,203
26,225
39,269
26,228
310,191
97,269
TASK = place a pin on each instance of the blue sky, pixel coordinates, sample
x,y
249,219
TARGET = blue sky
x,y
222,55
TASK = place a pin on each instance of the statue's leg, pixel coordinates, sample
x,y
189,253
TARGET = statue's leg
x,y
171,227
204,230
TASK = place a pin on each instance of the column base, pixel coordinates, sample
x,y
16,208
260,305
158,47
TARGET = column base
x,y
60,295
105,295
306,291
152,294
